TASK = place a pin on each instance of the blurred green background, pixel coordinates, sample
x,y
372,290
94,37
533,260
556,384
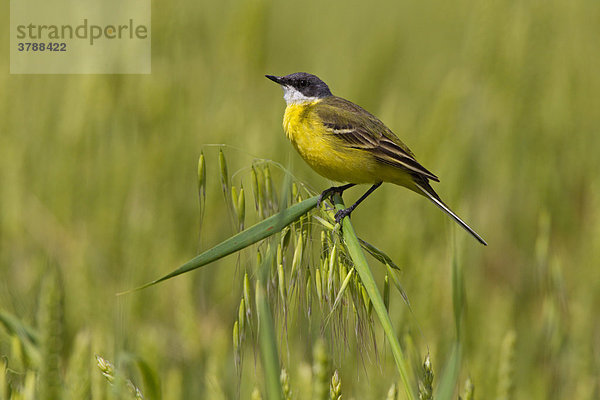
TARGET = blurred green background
x,y
500,99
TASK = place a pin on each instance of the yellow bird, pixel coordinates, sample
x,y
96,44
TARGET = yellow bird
x,y
345,143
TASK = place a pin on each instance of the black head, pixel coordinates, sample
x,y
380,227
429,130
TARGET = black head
x,y
308,85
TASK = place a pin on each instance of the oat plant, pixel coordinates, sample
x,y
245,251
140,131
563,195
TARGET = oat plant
x,y
303,257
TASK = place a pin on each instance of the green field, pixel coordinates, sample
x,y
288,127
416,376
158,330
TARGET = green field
x,y
98,194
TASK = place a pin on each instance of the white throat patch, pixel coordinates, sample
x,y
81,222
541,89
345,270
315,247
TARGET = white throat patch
x,y
293,96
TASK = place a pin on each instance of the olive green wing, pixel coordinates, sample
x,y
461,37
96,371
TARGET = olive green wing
x,y
358,129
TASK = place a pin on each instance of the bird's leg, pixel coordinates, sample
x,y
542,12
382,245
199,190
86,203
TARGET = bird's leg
x,y
333,190
346,212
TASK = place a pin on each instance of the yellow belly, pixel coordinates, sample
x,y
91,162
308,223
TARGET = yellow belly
x,y
336,161
318,148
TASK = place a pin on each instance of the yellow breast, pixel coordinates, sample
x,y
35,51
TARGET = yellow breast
x,y
319,149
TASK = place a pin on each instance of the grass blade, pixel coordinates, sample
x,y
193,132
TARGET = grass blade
x,y
378,254
201,193
241,240
16,327
366,277
266,334
449,377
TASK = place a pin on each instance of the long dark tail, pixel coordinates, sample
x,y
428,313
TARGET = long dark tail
x,y
428,191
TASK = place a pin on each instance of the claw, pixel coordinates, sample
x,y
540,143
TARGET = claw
x,y
324,196
341,214
327,193
320,200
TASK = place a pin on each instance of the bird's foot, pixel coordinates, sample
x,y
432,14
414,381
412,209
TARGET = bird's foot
x,y
328,193
341,214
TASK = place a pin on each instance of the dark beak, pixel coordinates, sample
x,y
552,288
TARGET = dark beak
x,y
275,79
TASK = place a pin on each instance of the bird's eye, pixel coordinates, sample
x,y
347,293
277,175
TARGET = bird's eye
x,y
303,83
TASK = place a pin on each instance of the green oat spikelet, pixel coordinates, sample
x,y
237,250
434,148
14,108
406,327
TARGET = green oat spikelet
x,y
247,297
347,280
201,176
392,393
318,285
256,394
225,185
271,196
241,208
201,191
426,381
262,195
366,301
285,385
468,393
324,274
333,256
279,254
224,173
335,389
115,379
242,318
106,368
286,235
281,284
234,197
386,292
297,258
256,191
258,262
29,388
18,359
236,344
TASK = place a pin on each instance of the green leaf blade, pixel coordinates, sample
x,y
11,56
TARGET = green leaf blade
x,y
255,233
360,264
